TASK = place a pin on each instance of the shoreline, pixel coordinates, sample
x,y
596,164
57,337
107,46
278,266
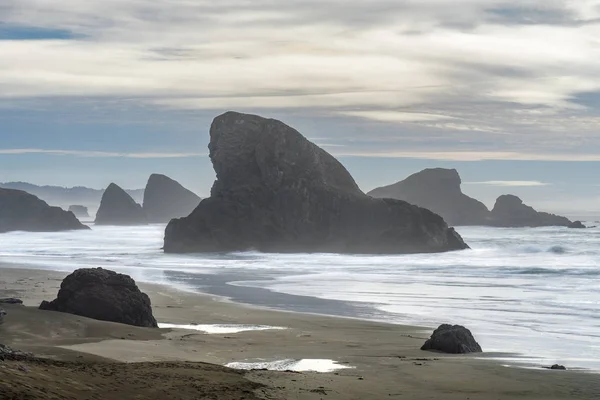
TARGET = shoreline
x,y
385,358
503,358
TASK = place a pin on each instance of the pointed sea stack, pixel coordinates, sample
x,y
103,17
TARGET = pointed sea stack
x,y
510,212
21,211
119,208
277,192
438,189
165,199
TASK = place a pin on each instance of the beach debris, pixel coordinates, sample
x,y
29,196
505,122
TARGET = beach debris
x,y
11,300
452,339
2,314
104,295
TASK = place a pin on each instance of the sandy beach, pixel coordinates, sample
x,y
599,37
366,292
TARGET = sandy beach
x,y
380,360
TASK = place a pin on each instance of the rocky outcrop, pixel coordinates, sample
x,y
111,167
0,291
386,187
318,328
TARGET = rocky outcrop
x,y
21,211
165,199
104,295
510,211
438,189
6,353
119,208
79,211
452,339
277,192
577,225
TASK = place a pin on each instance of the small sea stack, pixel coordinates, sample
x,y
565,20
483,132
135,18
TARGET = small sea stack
x,y
79,211
278,192
438,189
21,211
118,208
165,199
510,212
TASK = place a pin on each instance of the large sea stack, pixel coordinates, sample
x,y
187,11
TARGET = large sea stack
x,y
118,208
165,199
510,211
21,211
438,189
104,295
277,192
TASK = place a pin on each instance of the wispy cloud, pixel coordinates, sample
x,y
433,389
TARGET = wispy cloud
x,y
482,75
86,153
509,183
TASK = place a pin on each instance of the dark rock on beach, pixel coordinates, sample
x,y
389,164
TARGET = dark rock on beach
x,y
278,192
6,353
21,211
11,300
118,208
165,199
452,339
2,314
79,211
438,189
104,295
558,367
510,211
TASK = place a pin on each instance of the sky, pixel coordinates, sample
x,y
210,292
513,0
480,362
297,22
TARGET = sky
x,y
507,92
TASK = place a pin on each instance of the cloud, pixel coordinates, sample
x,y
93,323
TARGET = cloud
x,y
509,183
86,153
438,77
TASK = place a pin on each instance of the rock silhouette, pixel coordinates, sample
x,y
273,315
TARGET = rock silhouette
x,y
453,339
104,295
438,189
118,208
510,211
21,211
79,211
277,192
165,199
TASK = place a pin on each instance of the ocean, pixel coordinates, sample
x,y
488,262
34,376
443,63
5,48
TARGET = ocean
x,y
531,296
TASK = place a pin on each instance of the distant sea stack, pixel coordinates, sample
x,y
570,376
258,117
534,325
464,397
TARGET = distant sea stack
x,y
119,208
79,211
438,189
21,211
165,199
277,192
510,211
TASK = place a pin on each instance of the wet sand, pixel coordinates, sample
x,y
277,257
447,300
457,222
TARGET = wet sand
x,y
385,359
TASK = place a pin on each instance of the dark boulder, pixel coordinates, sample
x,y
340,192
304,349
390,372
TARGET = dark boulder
x,y
558,367
118,208
165,199
79,211
510,212
438,189
11,300
277,192
6,353
104,295
2,314
21,211
452,339
577,225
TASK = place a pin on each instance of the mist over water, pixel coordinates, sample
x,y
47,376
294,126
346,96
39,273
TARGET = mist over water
x,y
535,292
